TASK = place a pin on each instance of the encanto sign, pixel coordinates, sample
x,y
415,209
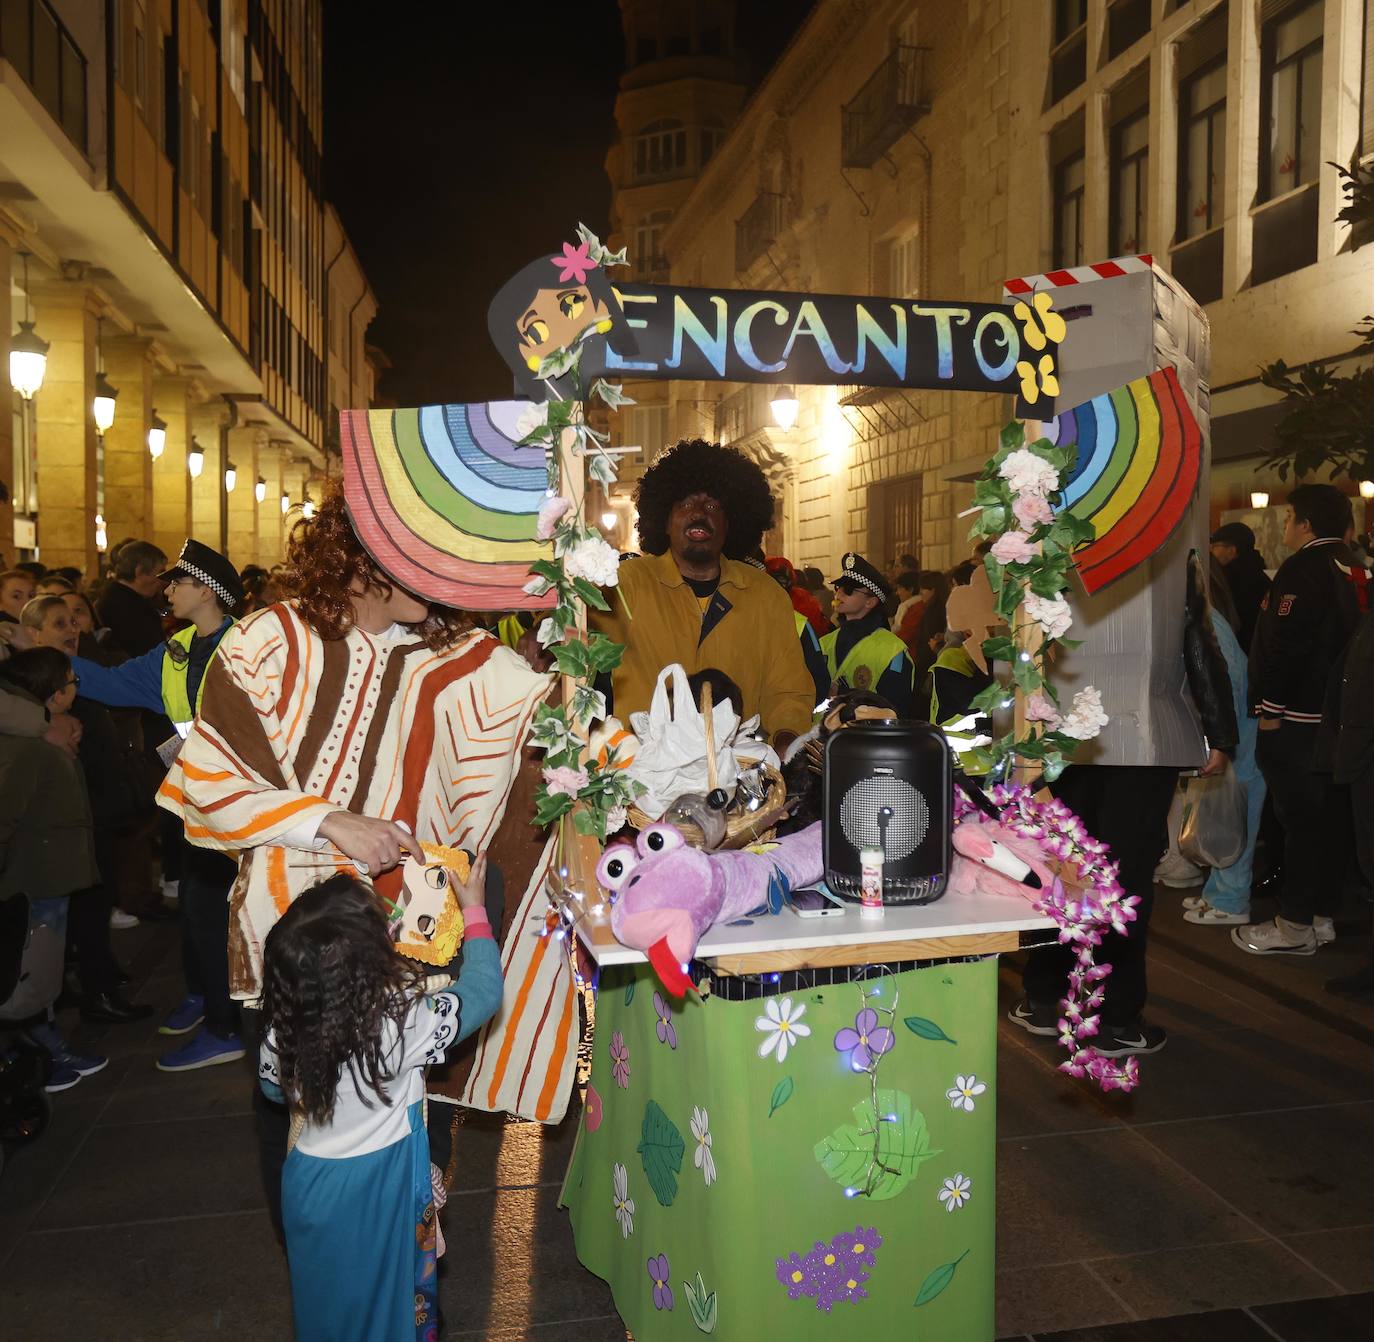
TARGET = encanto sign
x,y
745,335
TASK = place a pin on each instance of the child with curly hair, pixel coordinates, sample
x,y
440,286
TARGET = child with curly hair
x,y
349,1031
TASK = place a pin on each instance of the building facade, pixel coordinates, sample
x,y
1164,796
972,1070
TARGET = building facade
x,y
925,151
162,224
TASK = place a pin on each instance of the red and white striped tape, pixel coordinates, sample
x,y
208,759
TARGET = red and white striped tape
x,y
1101,270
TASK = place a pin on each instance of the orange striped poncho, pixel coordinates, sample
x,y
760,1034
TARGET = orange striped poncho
x,y
293,727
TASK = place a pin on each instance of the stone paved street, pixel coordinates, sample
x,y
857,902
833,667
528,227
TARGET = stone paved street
x,y
1240,1175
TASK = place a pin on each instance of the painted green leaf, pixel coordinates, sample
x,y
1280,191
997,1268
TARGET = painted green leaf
x,y
660,1148
938,1280
782,1092
702,1304
630,991
850,1153
927,1029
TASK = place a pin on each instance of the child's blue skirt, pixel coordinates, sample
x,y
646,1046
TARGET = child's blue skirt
x,y
360,1237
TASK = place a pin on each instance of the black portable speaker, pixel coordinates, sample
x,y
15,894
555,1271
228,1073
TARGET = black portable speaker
x,y
888,785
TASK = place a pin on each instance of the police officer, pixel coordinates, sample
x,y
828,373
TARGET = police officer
x,y
862,652
204,589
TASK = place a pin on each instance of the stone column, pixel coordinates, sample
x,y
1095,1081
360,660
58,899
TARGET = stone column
x,y
128,467
271,529
243,506
171,522
208,423
9,399
64,435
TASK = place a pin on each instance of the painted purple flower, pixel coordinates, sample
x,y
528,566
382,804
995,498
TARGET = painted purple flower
x,y
660,1275
574,263
666,1033
831,1272
866,1042
620,1060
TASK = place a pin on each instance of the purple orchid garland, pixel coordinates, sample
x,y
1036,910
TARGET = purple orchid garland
x,y
1102,906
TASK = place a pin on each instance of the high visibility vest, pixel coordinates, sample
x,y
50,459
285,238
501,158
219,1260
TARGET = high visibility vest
x,y
867,659
176,701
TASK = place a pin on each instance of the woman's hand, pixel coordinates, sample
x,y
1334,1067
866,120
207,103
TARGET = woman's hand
x,y
374,845
472,894
1217,761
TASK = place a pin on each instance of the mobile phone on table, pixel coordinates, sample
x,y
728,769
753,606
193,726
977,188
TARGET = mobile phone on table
x,y
815,902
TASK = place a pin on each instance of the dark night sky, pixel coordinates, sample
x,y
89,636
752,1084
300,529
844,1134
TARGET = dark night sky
x,y
461,140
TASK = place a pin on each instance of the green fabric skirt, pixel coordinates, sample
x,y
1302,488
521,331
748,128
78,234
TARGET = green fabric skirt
x,y
797,1165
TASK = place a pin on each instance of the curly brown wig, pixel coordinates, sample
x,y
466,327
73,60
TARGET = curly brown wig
x,y
693,466
331,981
324,559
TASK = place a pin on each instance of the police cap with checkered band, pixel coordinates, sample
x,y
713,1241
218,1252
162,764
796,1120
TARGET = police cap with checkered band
x,y
857,571
204,565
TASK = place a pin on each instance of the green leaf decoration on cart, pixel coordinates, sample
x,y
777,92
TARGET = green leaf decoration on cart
x,y
927,1029
938,1279
702,1304
878,1169
660,1148
782,1092
630,992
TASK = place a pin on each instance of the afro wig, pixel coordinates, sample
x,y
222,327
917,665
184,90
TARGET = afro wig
x,y
695,466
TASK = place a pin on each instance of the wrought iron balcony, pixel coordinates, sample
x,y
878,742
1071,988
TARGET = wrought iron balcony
x,y
36,42
757,229
893,98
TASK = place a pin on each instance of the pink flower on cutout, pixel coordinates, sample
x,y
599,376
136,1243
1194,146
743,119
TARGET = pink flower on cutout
x,y
620,1060
551,512
1015,547
1040,708
574,263
1031,510
593,1109
565,782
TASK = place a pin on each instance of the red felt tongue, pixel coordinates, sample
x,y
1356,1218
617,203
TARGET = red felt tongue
x,y
668,968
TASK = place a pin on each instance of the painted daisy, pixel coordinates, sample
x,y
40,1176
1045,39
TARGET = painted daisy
x,y
702,1157
960,1095
781,1026
623,1202
956,1192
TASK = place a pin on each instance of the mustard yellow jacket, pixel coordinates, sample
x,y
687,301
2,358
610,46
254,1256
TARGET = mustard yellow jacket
x,y
747,632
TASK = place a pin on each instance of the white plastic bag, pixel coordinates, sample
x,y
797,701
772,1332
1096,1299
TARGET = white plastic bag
x,y
1213,832
671,757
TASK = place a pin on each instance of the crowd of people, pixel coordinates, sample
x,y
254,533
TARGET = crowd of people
x,y
162,755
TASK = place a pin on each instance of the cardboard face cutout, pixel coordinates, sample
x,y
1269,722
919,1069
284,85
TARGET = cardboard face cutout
x,y
446,500
427,923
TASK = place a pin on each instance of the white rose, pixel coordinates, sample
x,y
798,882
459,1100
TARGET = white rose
x,y
593,560
1086,718
1027,473
1052,615
533,416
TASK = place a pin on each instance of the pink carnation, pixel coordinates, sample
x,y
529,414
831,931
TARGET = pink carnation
x,y
1040,708
551,512
1031,510
564,781
1015,547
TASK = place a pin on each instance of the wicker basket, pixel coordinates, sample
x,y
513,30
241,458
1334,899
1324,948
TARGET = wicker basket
x,y
741,827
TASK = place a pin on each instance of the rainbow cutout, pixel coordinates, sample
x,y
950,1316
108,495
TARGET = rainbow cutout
x,y
447,501
1139,459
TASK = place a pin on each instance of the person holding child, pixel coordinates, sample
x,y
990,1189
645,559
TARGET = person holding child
x,y
350,1031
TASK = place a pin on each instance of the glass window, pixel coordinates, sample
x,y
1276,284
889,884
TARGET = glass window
x,y
1068,211
661,150
904,265
1292,52
648,243
1069,17
1130,184
1202,173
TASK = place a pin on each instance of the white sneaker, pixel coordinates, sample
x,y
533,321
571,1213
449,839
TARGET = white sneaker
x,y
1194,901
1275,937
1178,872
121,921
171,891
1208,915
1325,930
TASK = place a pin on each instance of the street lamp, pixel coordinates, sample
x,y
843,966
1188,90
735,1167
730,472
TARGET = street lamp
x,y
785,408
308,507
28,354
1367,489
102,538
608,521
231,476
103,403
157,436
285,503
195,460
260,489
1259,499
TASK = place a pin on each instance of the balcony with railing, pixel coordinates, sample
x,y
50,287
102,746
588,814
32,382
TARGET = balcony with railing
x,y
45,55
757,229
893,99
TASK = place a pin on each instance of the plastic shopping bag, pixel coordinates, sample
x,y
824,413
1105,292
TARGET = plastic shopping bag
x,y
1213,832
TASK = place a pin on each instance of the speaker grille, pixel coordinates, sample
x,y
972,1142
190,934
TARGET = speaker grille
x,y
905,830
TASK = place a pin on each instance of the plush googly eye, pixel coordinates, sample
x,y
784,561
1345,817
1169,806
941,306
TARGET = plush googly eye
x,y
616,864
436,878
659,839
